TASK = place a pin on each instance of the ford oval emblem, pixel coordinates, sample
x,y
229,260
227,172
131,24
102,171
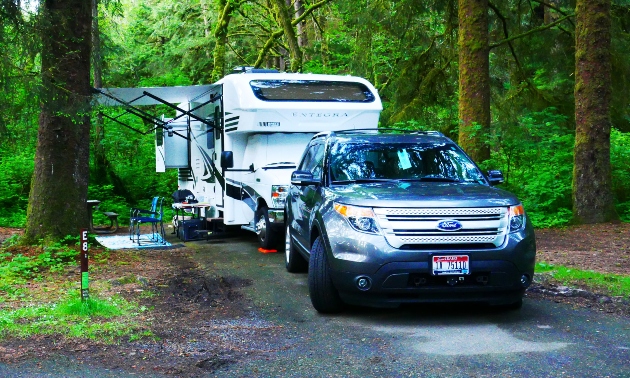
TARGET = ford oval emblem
x,y
449,225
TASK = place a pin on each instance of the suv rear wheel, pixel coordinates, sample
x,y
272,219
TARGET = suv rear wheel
x,y
324,295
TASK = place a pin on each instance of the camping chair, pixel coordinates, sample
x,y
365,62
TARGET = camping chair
x,y
154,217
134,213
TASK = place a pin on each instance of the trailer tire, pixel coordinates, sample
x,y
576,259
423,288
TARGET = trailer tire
x,y
266,237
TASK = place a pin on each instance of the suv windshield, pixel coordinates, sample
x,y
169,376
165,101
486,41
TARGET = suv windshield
x,y
361,162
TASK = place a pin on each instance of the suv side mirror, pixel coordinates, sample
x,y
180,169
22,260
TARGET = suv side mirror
x,y
495,177
227,159
302,178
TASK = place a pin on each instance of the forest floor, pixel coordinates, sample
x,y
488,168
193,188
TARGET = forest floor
x,y
201,320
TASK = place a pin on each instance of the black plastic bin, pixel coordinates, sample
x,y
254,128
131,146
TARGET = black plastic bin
x,y
189,229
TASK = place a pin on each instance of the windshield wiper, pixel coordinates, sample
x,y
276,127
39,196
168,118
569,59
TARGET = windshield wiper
x,y
363,181
432,178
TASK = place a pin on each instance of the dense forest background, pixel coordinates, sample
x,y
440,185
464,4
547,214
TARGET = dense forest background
x,y
407,48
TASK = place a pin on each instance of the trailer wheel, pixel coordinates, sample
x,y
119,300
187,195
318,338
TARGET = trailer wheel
x,y
266,237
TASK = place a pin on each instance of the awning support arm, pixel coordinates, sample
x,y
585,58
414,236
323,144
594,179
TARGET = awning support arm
x,y
144,132
184,112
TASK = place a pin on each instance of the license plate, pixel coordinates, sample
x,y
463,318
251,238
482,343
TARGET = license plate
x,y
453,264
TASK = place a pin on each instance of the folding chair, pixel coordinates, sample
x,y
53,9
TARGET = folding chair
x,y
154,217
133,214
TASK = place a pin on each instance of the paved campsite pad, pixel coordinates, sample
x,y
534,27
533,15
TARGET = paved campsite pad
x,y
204,321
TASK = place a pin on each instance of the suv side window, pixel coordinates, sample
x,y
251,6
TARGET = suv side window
x,y
314,160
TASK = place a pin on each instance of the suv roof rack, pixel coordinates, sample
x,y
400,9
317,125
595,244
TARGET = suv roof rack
x,y
388,130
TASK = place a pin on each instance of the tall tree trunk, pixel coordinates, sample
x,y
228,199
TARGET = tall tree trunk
x,y
592,193
57,202
322,22
285,21
301,26
474,78
278,33
100,160
226,7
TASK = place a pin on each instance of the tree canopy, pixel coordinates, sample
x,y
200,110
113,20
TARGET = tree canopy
x,y
409,49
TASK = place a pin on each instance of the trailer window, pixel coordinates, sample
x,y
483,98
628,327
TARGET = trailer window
x,y
311,90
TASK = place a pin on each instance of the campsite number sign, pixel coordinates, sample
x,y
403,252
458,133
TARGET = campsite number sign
x,y
84,265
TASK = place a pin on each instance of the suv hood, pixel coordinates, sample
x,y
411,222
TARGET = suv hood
x,y
421,194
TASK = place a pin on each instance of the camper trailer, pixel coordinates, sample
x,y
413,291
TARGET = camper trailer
x,y
235,143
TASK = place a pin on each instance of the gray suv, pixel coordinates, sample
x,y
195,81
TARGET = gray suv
x,y
381,218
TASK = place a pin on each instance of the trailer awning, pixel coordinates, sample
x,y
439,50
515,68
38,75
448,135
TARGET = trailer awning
x,y
139,97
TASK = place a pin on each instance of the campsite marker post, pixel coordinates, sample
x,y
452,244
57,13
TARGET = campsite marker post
x,y
84,266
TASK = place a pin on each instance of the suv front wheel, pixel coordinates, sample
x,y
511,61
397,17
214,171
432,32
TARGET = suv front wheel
x,y
294,262
324,295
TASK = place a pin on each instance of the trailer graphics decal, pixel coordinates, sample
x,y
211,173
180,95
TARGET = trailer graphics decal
x,y
242,192
210,171
231,123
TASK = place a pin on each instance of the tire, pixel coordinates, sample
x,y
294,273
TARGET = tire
x,y
514,306
294,261
324,295
266,238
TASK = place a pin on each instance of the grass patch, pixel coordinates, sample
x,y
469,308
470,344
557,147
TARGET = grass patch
x,y
100,319
611,284
32,276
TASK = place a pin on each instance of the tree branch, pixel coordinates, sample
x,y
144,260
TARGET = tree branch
x,y
280,32
551,6
506,34
535,30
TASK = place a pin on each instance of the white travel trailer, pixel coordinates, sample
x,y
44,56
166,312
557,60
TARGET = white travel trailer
x,y
236,142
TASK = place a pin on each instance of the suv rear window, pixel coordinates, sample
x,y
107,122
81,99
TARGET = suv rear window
x,y
311,90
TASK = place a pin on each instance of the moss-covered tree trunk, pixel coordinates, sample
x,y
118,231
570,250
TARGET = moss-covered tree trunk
x,y
301,26
284,19
474,78
592,193
226,7
57,202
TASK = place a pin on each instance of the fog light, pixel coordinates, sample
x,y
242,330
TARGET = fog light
x,y
525,280
364,283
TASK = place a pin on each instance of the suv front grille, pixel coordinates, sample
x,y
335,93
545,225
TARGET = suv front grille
x,y
418,226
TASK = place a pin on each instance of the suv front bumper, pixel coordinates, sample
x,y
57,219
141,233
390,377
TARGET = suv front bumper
x,y
497,276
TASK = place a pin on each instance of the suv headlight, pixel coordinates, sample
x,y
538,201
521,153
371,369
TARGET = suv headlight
x,y
279,195
516,217
360,218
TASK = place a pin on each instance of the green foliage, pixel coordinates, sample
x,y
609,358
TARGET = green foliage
x,y
17,269
16,169
619,158
536,157
611,284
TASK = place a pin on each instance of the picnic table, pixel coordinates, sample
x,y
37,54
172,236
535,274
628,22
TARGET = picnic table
x,y
113,219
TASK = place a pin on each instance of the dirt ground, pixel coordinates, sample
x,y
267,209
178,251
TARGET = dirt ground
x,y
202,321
